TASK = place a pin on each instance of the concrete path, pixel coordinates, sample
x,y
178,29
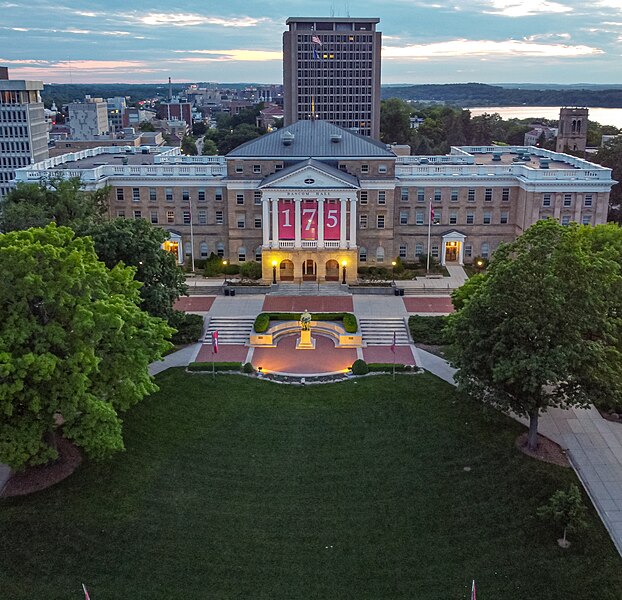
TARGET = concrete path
x,y
240,305
181,358
457,276
378,306
593,444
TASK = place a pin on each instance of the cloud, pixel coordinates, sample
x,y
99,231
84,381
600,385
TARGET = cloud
x,y
72,30
189,20
232,55
615,4
548,36
486,48
526,8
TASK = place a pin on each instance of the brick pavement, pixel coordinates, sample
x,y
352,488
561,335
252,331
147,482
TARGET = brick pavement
x,y
312,303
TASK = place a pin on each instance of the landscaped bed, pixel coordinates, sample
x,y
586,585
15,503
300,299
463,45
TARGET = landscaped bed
x,y
238,488
263,320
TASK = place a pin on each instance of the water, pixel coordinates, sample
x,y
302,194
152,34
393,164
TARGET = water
x,y
605,116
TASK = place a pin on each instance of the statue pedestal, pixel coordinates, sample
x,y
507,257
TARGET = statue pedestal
x,y
305,341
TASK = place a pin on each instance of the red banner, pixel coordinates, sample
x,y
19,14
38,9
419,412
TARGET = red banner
x,y
332,220
308,219
287,220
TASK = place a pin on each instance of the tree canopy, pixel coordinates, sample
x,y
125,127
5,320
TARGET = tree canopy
x,y
74,346
542,328
610,155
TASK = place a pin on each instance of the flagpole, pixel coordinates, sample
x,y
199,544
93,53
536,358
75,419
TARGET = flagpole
x,y
213,367
429,232
191,234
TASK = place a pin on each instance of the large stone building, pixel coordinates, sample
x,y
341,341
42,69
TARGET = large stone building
x,y
310,198
331,71
88,119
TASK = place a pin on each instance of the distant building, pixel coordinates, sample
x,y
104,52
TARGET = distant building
x,y
572,131
179,111
116,111
331,72
133,116
607,138
415,122
532,137
269,115
88,119
23,127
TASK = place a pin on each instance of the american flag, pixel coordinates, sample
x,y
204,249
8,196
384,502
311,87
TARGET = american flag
x,y
316,40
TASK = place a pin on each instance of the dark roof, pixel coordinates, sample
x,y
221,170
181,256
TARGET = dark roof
x,y
310,162
312,139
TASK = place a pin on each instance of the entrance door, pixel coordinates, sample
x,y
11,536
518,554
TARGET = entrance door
x,y
451,252
309,270
286,269
332,270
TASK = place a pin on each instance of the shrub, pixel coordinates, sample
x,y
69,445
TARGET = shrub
x,y
359,367
388,368
262,322
248,368
428,330
230,269
349,323
207,366
399,266
251,269
189,327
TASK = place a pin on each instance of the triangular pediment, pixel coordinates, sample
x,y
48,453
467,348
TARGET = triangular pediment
x,y
308,175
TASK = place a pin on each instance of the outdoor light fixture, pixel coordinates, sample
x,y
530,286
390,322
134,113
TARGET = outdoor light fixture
x,y
274,272
480,263
344,264
393,271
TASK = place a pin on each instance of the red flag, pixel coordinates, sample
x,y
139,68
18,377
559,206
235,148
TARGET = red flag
x,y
394,344
316,40
431,213
86,594
215,342
473,591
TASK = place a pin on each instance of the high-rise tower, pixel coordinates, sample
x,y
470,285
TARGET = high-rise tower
x,y
331,71
572,132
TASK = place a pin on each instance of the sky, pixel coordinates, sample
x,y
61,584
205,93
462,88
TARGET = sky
x,y
454,41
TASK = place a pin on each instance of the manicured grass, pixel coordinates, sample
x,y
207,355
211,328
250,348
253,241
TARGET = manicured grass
x,y
245,489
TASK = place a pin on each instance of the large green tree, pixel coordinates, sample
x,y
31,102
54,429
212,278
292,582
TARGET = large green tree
x,y
610,155
394,121
137,243
58,200
542,328
74,346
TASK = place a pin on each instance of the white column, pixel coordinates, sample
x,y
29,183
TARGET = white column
x,y
297,224
461,256
352,222
320,222
443,251
342,233
265,221
275,223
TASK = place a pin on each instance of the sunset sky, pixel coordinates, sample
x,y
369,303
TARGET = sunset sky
x,y
491,41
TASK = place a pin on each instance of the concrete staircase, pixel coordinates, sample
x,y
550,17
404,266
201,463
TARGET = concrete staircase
x,y
311,288
379,332
231,330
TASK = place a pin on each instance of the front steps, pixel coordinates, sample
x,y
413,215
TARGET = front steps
x,y
379,331
231,330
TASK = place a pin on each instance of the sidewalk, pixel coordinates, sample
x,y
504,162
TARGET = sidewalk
x,y
593,444
181,358
457,277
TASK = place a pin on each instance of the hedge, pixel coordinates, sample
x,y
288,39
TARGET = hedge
x,y
388,367
222,366
262,322
428,330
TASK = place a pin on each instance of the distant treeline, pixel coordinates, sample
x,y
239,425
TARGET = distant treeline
x,y
480,94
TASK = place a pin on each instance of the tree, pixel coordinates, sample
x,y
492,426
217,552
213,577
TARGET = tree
x,y
146,126
137,243
232,139
209,147
189,146
541,328
610,155
199,129
394,121
460,296
565,509
61,201
74,346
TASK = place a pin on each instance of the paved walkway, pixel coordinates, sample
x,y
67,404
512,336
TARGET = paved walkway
x,y
181,358
593,444
457,276
378,306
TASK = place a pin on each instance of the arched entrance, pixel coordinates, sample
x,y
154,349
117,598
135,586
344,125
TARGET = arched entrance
x,y
309,270
332,270
286,270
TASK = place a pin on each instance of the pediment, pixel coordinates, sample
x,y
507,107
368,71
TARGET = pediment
x,y
308,177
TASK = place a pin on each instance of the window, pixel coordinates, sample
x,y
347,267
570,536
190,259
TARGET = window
x,y
404,195
471,195
403,251
154,216
218,195
454,195
242,254
567,199
203,250
363,221
362,254
382,168
488,195
138,214
220,250
420,194
135,194
363,197
202,217
256,168
364,168
120,194
152,195
278,166
418,249
404,218
546,200
470,219
487,217
380,221
586,219
438,216
380,254
239,199
434,250
185,195
468,250
170,216
258,254
419,218
121,214
219,218
453,218
485,250
437,195
186,215
257,197
241,221
239,168
169,194
504,217
587,201
565,219
257,222
382,197
201,195
505,194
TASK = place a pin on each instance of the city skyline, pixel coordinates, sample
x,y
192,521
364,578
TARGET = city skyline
x,y
488,41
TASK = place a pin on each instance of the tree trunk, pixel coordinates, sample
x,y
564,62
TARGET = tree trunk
x,y
532,436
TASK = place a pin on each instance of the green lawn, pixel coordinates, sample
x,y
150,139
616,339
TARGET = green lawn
x,y
246,489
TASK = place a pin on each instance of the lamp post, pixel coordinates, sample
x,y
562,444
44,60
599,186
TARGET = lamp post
x,y
274,272
393,271
344,264
224,264
480,263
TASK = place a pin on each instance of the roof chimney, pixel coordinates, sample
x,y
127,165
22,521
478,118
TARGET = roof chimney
x,y
4,72
170,90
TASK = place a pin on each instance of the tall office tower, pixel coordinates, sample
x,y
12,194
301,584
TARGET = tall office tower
x,y
88,119
23,130
331,72
572,131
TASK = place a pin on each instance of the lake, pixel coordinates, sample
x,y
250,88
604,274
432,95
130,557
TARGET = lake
x,y
605,116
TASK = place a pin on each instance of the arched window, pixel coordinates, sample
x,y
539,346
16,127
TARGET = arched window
x,y
241,254
362,254
203,249
579,126
380,254
220,250
258,254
